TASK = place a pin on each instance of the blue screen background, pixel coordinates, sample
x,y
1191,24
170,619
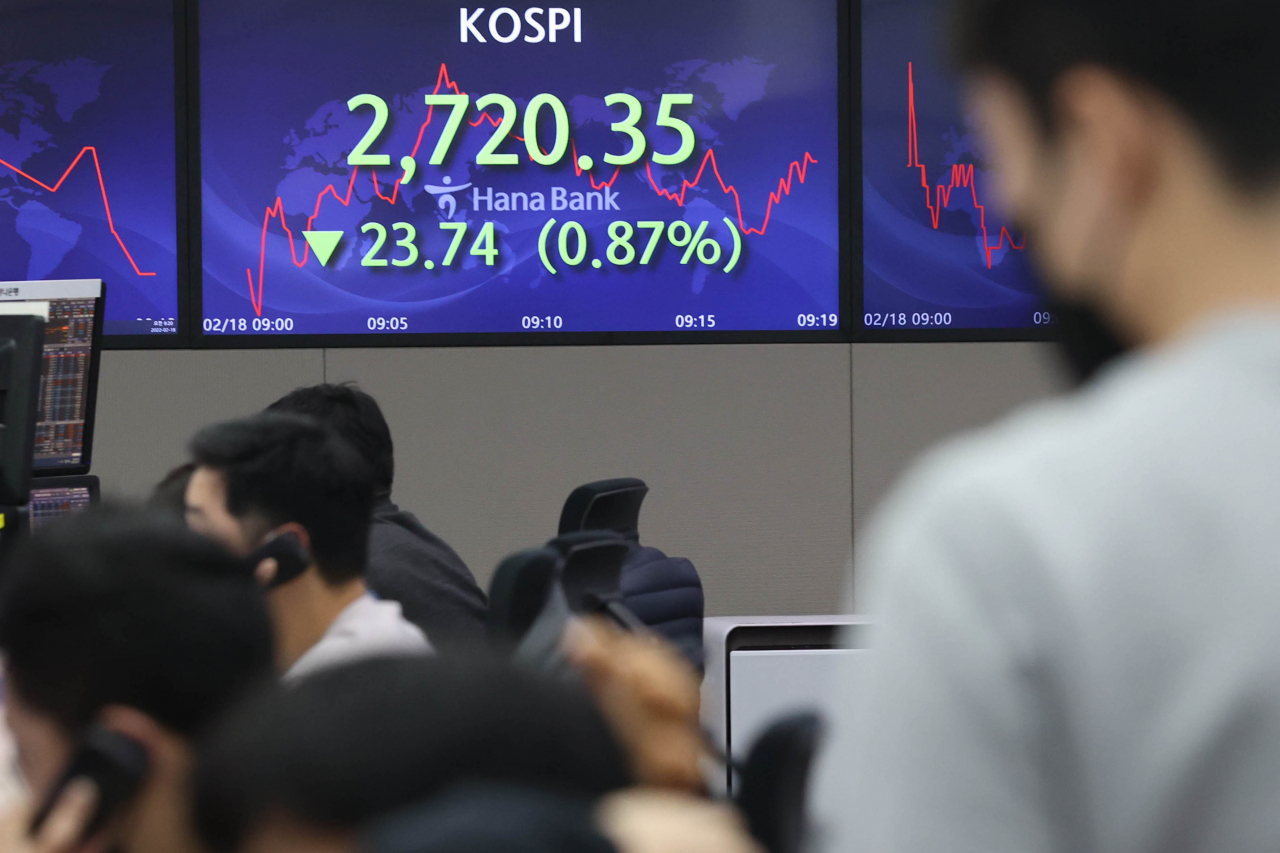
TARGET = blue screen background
x,y
912,270
275,126
77,74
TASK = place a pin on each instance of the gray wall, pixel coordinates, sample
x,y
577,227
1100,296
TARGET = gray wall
x,y
762,459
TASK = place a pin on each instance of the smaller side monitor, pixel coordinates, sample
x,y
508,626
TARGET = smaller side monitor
x,y
21,351
54,498
69,385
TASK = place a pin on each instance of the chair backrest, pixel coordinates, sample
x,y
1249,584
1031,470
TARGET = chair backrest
x,y
605,505
774,782
591,570
518,593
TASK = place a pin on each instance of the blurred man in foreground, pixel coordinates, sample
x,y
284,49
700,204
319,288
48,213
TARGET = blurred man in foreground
x,y
408,563
116,622
1079,640
309,767
274,476
355,743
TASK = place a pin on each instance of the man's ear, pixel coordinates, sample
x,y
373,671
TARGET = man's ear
x,y
304,538
159,742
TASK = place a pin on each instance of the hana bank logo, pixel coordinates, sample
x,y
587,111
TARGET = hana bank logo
x,y
444,195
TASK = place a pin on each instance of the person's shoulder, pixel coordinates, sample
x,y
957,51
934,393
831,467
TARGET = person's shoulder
x,y
1066,478
1083,440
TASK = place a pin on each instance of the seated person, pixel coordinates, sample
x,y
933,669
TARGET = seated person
x,y
170,494
292,763
275,474
417,743
407,562
127,622
479,818
509,819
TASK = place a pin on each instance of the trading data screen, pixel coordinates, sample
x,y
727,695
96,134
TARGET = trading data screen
x,y
64,383
937,254
87,152
66,378
422,167
48,505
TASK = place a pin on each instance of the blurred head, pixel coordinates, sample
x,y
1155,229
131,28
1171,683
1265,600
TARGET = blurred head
x,y
278,473
1130,144
132,622
353,415
305,767
491,819
170,494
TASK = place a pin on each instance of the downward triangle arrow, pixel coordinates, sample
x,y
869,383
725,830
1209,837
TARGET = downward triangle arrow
x,y
323,243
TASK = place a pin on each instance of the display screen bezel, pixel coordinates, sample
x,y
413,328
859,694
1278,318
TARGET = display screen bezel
x,y
848,14
872,334
181,339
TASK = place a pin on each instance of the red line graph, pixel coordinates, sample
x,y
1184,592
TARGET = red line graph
x,y
797,169
961,177
102,185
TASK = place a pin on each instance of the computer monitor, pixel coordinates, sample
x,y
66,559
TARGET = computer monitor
x,y
22,328
69,378
55,497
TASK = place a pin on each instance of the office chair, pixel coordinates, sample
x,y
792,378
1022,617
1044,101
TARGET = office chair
x,y
606,505
773,783
536,593
591,575
664,592
519,593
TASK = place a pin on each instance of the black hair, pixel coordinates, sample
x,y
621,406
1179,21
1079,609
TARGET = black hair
x,y
355,416
1215,61
366,740
490,819
122,607
170,494
289,468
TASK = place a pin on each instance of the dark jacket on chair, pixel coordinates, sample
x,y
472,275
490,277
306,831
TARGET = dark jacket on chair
x,y
666,593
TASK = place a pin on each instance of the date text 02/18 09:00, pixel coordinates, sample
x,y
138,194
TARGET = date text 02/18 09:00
x,y
924,320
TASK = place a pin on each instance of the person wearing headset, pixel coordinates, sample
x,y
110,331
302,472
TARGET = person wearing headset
x,y
408,564
288,493
123,637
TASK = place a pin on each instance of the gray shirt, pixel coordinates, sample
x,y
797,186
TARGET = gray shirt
x,y
1080,646
365,628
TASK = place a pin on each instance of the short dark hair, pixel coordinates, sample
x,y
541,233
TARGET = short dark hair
x,y
362,741
355,416
1215,61
290,468
122,607
170,494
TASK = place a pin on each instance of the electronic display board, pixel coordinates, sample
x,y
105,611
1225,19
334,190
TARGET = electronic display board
x,y
409,170
939,260
89,165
